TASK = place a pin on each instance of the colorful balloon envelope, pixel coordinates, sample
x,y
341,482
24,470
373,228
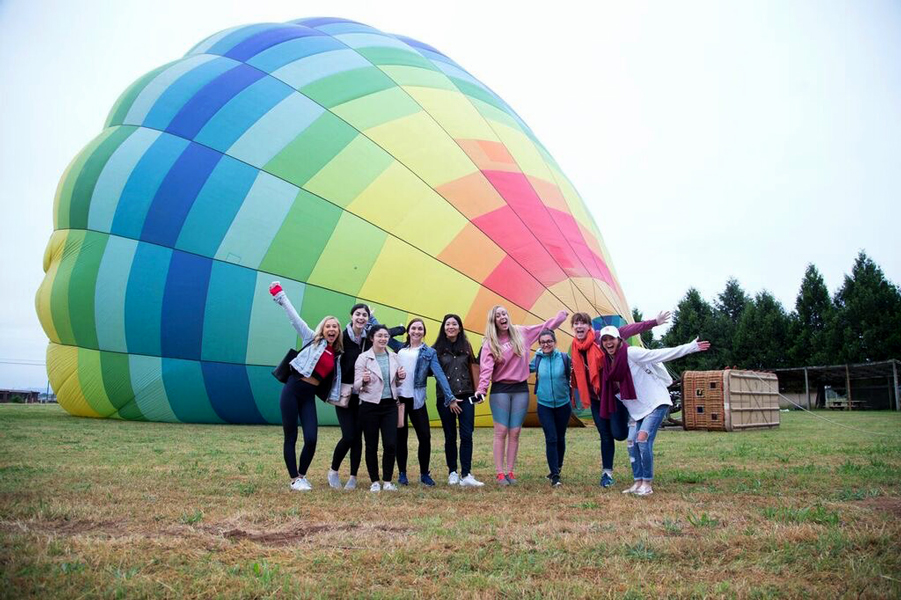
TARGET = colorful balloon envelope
x,y
349,164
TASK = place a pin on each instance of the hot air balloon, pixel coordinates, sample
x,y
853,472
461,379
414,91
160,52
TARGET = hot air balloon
x,y
350,164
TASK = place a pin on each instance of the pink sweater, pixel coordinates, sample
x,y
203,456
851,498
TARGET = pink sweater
x,y
511,368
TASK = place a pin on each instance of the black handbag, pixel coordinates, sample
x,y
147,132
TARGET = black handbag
x,y
283,370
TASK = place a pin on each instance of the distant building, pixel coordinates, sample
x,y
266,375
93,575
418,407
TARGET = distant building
x,y
25,396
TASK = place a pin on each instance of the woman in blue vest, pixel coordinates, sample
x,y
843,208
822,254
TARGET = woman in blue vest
x,y
552,370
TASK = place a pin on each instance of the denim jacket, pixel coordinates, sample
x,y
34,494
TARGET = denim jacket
x,y
306,359
427,362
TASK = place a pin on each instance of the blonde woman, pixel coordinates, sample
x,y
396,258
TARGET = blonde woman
x,y
504,363
316,368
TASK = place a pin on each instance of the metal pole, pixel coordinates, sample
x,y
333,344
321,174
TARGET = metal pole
x,y
848,385
807,388
895,379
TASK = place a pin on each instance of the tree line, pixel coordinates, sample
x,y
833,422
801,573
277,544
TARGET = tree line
x,y
860,323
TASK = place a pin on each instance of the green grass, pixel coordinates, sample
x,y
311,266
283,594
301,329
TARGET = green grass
x,y
114,509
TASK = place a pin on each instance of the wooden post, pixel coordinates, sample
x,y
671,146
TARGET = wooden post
x,y
895,379
807,388
848,385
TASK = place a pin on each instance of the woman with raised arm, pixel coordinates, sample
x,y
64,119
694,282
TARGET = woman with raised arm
x,y
637,376
588,374
315,369
376,377
504,363
355,342
418,358
460,366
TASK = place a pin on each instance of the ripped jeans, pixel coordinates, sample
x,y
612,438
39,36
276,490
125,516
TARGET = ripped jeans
x,y
641,452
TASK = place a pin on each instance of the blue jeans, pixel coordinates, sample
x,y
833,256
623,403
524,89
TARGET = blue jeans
x,y
449,424
554,422
641,453
614,428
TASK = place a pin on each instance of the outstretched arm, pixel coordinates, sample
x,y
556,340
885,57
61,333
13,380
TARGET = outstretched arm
x,y
645,356
627,331
279,296
530,333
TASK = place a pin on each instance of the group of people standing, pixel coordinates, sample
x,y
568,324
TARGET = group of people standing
x,y
377,392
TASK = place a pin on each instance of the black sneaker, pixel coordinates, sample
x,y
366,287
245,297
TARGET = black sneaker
x,y
555,481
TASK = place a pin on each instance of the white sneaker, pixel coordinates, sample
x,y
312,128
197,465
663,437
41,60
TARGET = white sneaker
x,y
375,487
643,491
334,479
470,481
301,485
453,478
389,487
632,489
351,483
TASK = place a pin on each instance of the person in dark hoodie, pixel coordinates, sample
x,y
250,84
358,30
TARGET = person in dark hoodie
x,y
355,342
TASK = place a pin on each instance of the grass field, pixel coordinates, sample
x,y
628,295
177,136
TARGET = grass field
x,y
92,508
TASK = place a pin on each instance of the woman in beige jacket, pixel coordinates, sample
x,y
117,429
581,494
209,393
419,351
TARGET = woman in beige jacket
x,y
376,375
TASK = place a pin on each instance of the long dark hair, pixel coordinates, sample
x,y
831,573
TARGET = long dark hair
x,y
460,345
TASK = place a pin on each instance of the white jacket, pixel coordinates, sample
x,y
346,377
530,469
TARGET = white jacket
x,y
650,377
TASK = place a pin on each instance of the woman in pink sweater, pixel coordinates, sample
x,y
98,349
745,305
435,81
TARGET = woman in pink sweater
x,y
504,363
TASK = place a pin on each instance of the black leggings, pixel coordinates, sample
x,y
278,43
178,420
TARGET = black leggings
x,y
298,399
375,419
351,436
420,420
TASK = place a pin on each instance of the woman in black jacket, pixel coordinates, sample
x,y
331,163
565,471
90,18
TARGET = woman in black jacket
x,y
457,361
355,343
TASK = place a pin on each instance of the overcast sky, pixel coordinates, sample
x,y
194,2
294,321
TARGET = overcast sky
x,y
710,140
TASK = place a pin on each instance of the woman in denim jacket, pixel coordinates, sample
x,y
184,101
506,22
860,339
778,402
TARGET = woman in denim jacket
x,y
315,369
416,357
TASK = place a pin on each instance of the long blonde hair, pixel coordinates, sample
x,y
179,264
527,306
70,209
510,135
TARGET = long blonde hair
x,y
338,346
491,335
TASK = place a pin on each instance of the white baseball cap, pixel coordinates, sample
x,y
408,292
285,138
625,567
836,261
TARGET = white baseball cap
x,y
610,330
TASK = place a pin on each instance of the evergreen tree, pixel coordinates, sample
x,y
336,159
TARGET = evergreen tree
x,y
813,313
728,309
693,318
761,337
867,323
732,301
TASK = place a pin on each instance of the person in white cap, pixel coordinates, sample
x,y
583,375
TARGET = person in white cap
x,y
637,377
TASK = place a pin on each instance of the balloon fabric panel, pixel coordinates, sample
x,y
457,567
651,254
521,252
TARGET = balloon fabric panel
x,y
348,163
